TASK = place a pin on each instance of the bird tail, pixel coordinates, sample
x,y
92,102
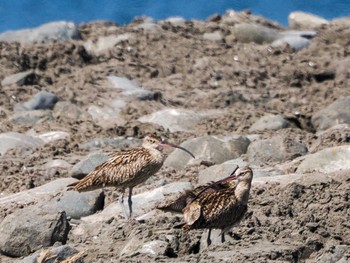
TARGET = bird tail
x,y
71,186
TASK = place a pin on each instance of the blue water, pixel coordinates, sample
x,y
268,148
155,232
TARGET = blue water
x,y
16,14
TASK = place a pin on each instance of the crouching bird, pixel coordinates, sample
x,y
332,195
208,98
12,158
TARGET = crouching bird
x,y
218,205
127,169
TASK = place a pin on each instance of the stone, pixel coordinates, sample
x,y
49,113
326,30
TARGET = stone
x,y
141,203
214,36
326,161
302,20
46,33
52,136
175,20
43,100
246,32
342,68
21,79
174,119
109,114
10,140
31,117
68,111
275,150
295,42
118,143
208,148
154,248
88,164
106,43
57,163
61,252
338,255
336,113
148,26
130,88
31,228
269,122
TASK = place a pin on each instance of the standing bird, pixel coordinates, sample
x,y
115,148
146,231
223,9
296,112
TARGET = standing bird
x,y
126,169
221,204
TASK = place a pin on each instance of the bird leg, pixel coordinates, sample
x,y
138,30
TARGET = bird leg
x,y
130,202
208,238
222,237
121,202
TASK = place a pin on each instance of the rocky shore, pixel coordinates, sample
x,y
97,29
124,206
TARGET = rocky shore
x,y
235,90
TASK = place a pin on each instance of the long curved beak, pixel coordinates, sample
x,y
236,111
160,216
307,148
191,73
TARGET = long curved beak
x,y
165,143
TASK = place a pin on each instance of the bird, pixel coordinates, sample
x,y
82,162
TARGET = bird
x,y
220,204
127,169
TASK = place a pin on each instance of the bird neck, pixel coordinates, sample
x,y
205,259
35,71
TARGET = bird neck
x,y
242,192
156,154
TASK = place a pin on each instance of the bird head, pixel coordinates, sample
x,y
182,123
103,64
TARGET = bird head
x,y
244,173
156,142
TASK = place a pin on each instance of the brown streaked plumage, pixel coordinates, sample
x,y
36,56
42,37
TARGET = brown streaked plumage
x,y
126,169
218,205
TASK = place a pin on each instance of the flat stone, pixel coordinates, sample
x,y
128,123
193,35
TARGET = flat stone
x,y
154,248
43,100
31,116
214,36
295,42
118,143
46,33
88,164
302,20
336,113
61,253
68,111
269,122
52,136
277,149
246,32
10,140
174,119
22,78
208,148
326,161
31,228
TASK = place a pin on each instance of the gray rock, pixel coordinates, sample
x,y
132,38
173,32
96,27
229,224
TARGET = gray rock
x,y
10,140
119,143
338,255
23,78
276,149
109,114
302,20
31,228
245,33
47,33
269,122
295,42
61,252
31,117
130,88
154,248
208,148
41,101
52,136
214,36
336,113
68,111
88,164
141,203
174,119
77,205
326,161
106,43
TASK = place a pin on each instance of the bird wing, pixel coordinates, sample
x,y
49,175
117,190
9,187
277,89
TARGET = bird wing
x,y
192,213
119,170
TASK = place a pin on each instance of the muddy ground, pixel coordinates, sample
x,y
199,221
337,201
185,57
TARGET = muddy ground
x,y
298,222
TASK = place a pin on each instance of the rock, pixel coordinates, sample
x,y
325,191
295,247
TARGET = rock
x,y
106,43
21,79
174,119
214,36
245,33
68,111
31,117
269,122
338,255
302,20
118,143
130,88
77,205
31,228
41,101
109,114
295,42
326,161
141,203
276,149
88,164
175,20
342,68
336,113
208,148
52,136
154,248
148,25
10,140
131,247
61,252
47,33
57,164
